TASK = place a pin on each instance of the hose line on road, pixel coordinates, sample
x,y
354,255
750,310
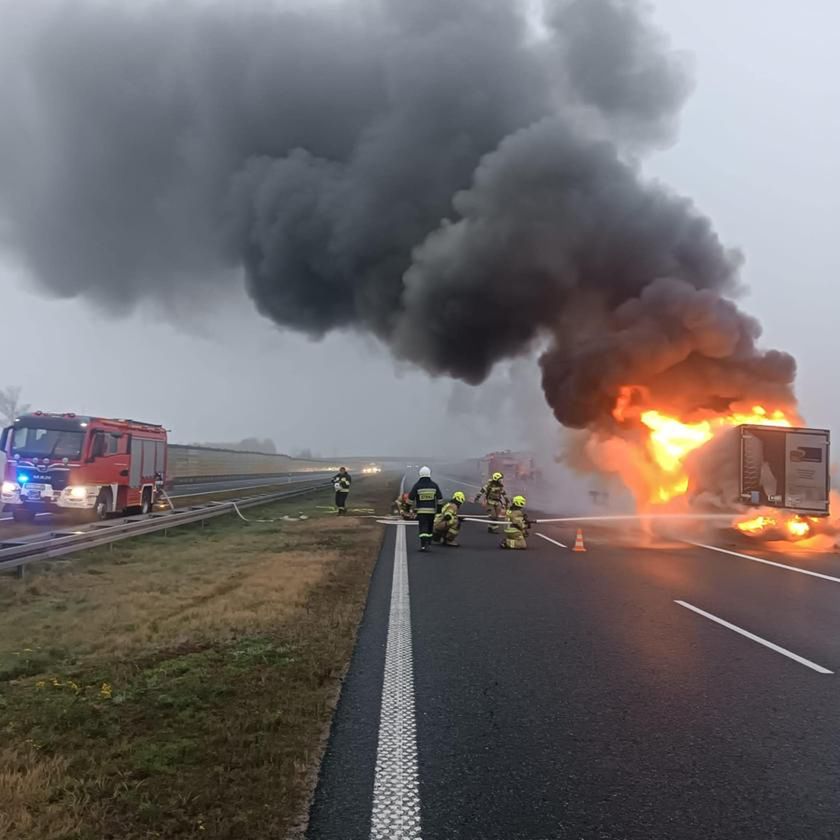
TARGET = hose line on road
x,y
286,518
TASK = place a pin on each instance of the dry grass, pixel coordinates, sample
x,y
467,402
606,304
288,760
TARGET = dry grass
x,y
28,782
179,686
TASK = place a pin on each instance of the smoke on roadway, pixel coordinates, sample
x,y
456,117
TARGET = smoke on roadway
x,y
460,180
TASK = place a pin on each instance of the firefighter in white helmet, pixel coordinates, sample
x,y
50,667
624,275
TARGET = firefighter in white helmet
x,y
426,498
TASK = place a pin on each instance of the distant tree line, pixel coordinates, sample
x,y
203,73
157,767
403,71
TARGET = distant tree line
x,y
10,405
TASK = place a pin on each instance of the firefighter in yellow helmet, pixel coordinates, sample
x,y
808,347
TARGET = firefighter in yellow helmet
x,y
517,527
447,522
496,499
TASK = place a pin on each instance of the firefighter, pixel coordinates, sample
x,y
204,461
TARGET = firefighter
x,y
341,483
496,500
426,498
517,526
447,522
403,508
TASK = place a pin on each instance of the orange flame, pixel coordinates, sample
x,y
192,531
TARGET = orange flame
x,y
781,524
670,440
798,527
757,525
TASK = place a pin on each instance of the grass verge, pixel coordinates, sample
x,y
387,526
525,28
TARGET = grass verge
x,y
180,686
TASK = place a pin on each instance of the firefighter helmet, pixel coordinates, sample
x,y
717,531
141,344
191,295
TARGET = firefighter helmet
x,y
519,501
459,497
425,472
497,476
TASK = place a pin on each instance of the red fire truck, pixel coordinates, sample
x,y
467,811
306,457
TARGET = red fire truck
x,y
518,465
91,465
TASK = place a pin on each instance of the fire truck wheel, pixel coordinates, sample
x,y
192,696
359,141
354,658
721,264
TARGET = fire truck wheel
x,y
146,504
103,504
23,515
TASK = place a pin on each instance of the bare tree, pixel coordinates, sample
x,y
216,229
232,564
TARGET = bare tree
x,y
10,405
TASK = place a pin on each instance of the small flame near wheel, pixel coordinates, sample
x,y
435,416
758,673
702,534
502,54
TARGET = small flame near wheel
x,y
809,531
790,526
756,525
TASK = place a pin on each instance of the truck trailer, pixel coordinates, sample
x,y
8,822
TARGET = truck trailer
x,y
785,468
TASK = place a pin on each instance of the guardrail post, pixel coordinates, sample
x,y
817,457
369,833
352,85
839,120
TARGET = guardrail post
x,y
20,572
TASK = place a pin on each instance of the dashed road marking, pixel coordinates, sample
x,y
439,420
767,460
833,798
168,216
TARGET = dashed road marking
x,y
548,539
762,560
800,659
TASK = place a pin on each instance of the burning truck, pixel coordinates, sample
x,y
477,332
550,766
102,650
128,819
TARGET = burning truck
x,y
783,471
718,462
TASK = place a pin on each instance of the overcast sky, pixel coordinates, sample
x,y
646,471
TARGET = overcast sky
x,y
757,150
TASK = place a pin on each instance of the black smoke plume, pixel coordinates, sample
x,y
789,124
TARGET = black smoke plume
x,y
460,179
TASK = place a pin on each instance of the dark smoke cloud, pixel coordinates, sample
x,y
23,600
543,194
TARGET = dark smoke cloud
x,y
442,175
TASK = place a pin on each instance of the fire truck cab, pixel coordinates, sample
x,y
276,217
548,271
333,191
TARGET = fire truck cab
x,y
91,465
518,465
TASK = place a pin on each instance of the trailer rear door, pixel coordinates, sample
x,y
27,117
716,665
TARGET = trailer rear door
x,y
786,468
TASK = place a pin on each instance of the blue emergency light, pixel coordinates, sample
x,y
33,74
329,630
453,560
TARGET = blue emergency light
x,y
22,479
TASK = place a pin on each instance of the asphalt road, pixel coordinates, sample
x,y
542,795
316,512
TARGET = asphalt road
x,y
555,695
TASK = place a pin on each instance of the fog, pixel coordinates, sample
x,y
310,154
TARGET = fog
x,y
755,148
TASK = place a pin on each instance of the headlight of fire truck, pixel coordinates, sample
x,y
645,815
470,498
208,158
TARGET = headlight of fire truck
x,y
78,492
9,487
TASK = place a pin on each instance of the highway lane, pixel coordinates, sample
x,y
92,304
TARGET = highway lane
x,y
561,695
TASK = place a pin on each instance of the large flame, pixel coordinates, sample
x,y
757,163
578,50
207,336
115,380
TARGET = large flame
x,y
670,440
650,448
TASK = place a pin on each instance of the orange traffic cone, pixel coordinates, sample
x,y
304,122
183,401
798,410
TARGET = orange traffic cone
x,y
579,546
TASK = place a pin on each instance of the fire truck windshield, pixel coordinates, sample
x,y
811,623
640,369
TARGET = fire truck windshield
x,y
33,442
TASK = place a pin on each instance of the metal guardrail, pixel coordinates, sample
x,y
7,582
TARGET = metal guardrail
x,y
16,553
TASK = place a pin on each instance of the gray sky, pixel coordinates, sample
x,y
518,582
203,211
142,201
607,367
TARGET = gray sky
x,y
756,150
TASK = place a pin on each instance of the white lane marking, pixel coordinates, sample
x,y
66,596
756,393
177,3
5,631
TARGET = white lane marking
x,y
800,659
10,518
766,562
552,541
396,798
